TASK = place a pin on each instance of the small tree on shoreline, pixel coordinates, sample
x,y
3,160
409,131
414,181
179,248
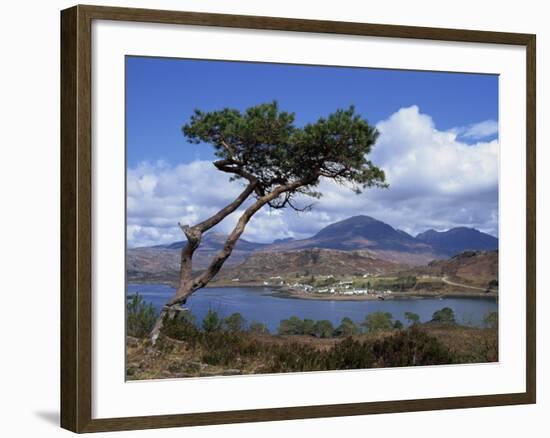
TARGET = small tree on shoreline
x,y
278,162
412,318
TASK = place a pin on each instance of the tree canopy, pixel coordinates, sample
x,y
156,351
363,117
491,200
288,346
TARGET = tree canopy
x,y
444,316
263,145
378,321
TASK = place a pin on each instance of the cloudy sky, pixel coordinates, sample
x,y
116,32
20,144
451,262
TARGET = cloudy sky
x,y
438,145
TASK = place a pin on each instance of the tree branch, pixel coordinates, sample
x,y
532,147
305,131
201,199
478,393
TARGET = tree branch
x,y
219,259
235,167
300,209
194,236
228,209
228,148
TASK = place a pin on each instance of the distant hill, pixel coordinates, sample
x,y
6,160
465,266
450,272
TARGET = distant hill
x,y
315,261
457,240
365,232
152,264
286,239
214,242
162,262
475,268
358,236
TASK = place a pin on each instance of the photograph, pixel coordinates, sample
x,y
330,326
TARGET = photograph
x,y
292,218
275,219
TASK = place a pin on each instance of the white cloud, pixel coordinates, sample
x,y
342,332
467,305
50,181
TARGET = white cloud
x,y
436,181
419,159
478,131
159,196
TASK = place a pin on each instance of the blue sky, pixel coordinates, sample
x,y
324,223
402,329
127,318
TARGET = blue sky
x,y
162,93
434,116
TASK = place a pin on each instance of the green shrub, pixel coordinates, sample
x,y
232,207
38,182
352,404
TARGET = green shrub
x,y
234,322
398,325
490,320
291,326
324,282
444,316
235,349
401,284
140,317
211,321
256,327
308,327
323,329
347,328
404,283
410,347
183,328
293,357
378,321
406,348
349,354
412,318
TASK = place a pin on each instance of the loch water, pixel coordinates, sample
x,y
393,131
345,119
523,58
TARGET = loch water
x,y
262,305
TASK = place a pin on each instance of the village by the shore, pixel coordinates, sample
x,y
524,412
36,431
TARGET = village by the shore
x,y
363,288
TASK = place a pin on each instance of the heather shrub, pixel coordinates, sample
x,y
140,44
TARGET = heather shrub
x,y
140,317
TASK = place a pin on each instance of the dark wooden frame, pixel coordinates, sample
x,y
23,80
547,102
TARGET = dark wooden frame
x,y
76,236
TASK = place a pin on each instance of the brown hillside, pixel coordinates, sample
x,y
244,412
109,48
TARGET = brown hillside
x,y
469,267
263,265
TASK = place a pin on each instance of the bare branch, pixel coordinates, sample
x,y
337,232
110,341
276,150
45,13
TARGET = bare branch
x,y
234,167
220,258
228,209
194,236
303,209
228,148
281,204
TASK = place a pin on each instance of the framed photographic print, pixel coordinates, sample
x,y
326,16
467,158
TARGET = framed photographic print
x,y
268,218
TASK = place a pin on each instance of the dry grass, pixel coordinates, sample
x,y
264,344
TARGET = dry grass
x,y
172,358
469,344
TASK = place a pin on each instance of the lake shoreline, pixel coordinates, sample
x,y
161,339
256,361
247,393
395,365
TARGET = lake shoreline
x,y
281,291
297,295
271,305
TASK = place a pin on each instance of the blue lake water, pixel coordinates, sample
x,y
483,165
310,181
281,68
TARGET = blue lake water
x,y
258,304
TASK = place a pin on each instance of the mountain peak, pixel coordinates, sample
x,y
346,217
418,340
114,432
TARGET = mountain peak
x,y
458,239
426,233
360,218
364,231
356,224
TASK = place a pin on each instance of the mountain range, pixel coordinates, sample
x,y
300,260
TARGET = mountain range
x,y
388,243
457,240
357,241
365,232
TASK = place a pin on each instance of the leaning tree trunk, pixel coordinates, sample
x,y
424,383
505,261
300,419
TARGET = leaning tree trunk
x,y
167,313
186,284
173,307
189,284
